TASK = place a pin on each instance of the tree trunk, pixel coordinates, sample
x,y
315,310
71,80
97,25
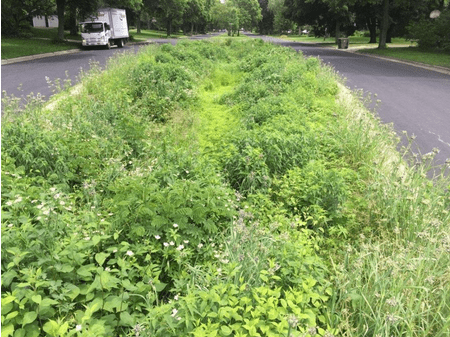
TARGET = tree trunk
x,y
73,20
338,31
60,4
372,24
384,25
169,26
192,28
138,22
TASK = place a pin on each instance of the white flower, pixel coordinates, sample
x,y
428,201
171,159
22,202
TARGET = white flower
x,y
130,253
10,225
157,237
200,245
62,203
176,297
174,312
180,247
87,238
175,225
57,195
46,212
171,243
9,203
33,201
166,244
115,251
186,241
53,189
78,327
107,269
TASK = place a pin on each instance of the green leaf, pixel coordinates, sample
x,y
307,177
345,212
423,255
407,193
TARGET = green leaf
x,y
7,330
11,315
29,317
36,299
72,290
101,257
112,302
126,319
160,286
7,278
226,331
51,328
47,302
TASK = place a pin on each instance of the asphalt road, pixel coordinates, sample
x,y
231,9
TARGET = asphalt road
x,y
413,99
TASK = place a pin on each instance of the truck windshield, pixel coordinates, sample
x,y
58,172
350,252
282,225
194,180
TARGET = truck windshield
x,y
94,27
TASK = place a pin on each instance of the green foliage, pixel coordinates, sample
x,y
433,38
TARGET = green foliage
x,y
433,33
216,211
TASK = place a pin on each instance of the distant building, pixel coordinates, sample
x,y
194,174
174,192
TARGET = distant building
x,y
52,21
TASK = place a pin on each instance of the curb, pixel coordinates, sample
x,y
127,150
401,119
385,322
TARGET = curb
x,y
438,69
70,51
39,56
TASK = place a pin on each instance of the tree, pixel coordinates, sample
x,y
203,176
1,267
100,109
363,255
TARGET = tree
x,y
266,25
249,13
280,21
17,14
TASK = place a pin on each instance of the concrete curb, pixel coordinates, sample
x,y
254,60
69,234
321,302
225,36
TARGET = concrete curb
x,y
63,52
438,69
39,56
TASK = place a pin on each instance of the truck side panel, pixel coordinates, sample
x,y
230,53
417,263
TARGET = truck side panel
x,y
119,24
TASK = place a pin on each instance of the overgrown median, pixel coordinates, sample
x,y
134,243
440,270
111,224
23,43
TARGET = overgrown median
x,y
225,188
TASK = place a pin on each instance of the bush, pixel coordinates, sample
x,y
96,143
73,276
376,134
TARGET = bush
x,y
433,33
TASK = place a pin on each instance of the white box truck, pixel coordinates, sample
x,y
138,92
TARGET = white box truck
x,y
109,27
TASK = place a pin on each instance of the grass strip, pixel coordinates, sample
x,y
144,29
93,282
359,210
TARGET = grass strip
x,y
412,54
15,47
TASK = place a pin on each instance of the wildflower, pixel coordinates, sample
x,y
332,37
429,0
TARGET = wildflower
x,y
312,331
130,253
174,312
33,201
87,238
157,237
107,269
200,245
52,189
172,243
176,297
78,327
56,196
10,225
115,251
166,244
392,302
180,247
186,241
62,203
293,321
9,203
46,212
175,225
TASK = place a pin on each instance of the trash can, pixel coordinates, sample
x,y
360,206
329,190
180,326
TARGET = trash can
x,y
343,43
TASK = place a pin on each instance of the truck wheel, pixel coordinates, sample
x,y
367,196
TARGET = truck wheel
x,y
120,43
108,45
